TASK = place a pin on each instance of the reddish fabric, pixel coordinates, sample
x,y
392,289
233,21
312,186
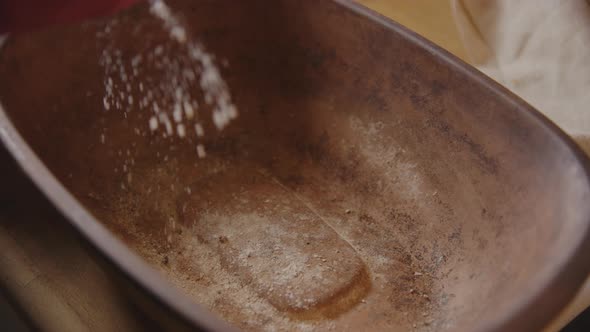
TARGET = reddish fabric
x,y
20,15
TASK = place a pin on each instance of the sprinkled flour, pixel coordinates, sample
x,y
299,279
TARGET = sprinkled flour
x,y
170,100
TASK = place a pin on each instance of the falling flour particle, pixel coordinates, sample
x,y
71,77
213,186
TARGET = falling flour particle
x,y
177,113
178,34
180,130
188,110
153,123
166,122
201,151
178,93
199,130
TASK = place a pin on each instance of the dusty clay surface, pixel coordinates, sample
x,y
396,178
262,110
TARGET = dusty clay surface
x,y
270,253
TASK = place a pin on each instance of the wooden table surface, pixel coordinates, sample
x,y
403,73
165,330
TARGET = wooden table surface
x,y
432,19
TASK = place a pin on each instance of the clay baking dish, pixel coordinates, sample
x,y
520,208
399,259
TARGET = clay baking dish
x,y
371,182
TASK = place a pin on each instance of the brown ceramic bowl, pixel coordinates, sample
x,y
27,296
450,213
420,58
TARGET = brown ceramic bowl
x,y
396,187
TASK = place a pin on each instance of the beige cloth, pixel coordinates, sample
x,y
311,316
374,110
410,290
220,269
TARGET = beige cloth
x,y
539,49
